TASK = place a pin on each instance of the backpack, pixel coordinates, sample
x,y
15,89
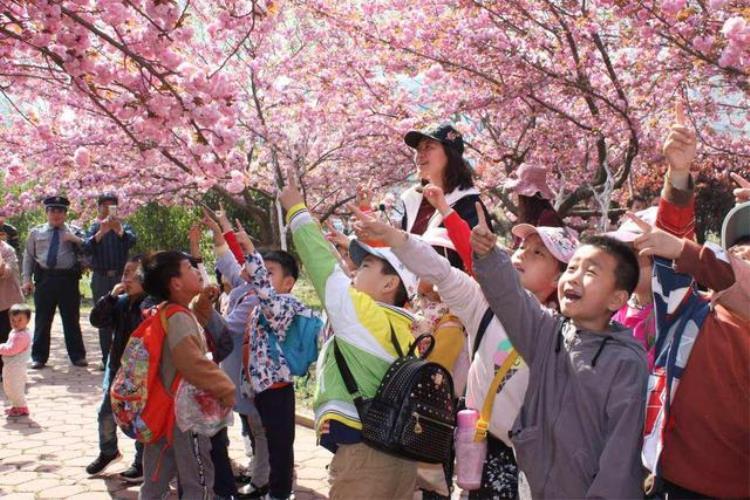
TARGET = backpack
x,y
142,407
413,413
300,345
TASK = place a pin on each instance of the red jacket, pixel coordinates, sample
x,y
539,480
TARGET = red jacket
x,y
707,439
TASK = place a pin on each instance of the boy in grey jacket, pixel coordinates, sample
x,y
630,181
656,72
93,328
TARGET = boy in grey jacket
x,y
579,431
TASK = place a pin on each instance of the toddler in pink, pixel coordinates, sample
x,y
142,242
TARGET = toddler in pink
x,y
15,353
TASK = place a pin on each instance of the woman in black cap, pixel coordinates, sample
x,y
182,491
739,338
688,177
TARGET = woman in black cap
x,y
445,197
440,162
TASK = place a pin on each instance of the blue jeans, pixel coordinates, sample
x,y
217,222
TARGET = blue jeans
x,y
108,427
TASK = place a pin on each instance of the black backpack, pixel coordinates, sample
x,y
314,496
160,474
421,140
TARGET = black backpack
x,y
413,413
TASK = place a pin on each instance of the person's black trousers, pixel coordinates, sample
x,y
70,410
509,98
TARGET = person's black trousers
x,y
51,291
224,484
102,284
276,408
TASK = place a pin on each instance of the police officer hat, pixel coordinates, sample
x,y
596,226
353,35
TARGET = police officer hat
x,y
105,197
56,202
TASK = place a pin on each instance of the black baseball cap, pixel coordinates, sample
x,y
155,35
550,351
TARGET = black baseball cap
x,y
56,202
445,134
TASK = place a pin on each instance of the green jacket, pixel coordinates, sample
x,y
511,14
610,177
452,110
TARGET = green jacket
x,y
361,326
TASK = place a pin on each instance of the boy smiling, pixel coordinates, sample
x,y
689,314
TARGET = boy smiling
x,y
579,430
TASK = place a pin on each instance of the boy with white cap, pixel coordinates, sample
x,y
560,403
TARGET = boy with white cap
x,y
370,326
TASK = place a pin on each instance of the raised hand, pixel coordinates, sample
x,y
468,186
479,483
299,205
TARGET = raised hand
x,y
335,236
654,241
104,227
742,193
115,224
118,289
368,227
209,220
680,144
436,197
290,195
363,198
244,239
202,307
221,216
483,240
194,237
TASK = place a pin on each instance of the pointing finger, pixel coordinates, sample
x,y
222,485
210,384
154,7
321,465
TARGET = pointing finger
x,y
291,178
679,113
359,214
741,182
482,223
642,224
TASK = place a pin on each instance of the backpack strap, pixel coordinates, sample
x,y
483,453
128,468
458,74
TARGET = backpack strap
x,y
394,341
346,373
483,324
497,383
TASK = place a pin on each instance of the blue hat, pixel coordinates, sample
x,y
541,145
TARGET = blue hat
x,y
56,202
444,134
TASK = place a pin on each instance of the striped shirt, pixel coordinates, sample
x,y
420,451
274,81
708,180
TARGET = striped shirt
x,y
111,252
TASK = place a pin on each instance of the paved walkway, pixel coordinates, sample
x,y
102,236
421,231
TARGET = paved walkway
x,y
44,455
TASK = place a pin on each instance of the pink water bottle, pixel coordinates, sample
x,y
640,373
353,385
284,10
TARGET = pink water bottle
x,y
470,452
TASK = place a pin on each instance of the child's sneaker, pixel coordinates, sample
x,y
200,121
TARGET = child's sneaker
x,y
18,411
252,491
101,463
132,474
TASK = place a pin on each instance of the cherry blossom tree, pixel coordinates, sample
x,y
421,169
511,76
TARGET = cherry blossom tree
x,y
165,100
585,88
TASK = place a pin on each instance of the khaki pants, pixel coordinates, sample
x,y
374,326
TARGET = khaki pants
x,y
359,471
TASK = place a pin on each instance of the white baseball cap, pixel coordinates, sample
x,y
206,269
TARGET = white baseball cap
x,y
358,251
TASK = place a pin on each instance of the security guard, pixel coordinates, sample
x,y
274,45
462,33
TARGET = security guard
x,y
51,257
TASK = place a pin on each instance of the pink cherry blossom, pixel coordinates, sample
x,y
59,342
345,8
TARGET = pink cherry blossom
x,y
82,157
